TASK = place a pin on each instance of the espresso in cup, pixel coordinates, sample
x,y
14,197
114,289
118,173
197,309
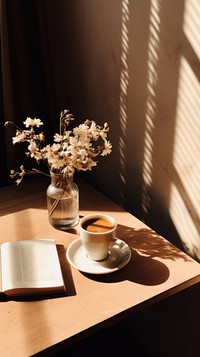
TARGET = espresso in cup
x,y
97,232
98,224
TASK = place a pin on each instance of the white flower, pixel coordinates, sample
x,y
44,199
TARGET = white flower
x,y
107,148
103,133
94,131
37,156
34,151
32,122
58,138
57,163
20,137
55,147
40,137
32,147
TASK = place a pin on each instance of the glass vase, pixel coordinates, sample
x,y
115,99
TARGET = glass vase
x,y
63,201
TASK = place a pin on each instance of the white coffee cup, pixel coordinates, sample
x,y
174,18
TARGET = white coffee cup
x,y
97,231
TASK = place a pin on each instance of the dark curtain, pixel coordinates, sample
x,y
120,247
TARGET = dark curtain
x,y
26,82
41,70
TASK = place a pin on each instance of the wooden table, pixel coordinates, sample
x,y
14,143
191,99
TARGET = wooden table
x,y
156,270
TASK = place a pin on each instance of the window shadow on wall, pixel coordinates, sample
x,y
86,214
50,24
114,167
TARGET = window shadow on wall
x,y
159,172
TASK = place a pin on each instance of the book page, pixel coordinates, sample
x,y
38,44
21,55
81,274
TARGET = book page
x,y
30,264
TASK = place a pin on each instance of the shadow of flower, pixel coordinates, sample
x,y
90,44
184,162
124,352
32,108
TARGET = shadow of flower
x,y
147,242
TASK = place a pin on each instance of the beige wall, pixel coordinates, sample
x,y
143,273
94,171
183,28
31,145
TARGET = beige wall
x,y
135,64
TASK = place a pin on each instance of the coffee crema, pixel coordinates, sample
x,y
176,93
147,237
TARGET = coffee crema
x,y
97,225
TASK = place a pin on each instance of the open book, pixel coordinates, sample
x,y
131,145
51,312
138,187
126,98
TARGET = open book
x,y
30,267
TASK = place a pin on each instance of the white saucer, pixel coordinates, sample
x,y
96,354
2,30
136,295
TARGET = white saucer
x,y
120,254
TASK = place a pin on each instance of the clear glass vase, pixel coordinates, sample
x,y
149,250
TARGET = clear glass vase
x,y
63,201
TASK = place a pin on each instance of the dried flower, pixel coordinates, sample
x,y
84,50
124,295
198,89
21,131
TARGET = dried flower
x,y
75,149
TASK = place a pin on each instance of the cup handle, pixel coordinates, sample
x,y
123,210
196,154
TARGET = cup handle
x,y
117,241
